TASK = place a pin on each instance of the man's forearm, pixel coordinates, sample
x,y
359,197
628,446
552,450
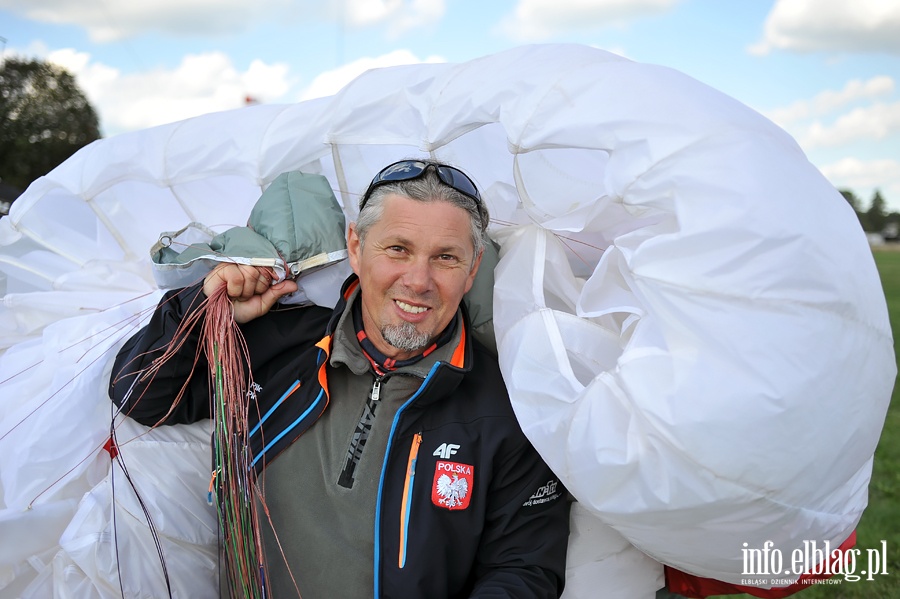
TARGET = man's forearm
x,y
146,392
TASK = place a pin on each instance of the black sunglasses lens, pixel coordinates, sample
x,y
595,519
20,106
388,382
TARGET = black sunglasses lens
x,y
401,171
458,181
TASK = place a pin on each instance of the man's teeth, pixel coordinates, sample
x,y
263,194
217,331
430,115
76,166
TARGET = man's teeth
x,y
411,309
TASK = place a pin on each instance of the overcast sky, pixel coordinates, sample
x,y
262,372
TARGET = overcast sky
x,y
825,70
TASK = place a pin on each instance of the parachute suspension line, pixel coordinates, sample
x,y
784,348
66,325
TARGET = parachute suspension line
x,y
112,446
127,321
23,371
265,508
88,456
568,241
112,333
227,354
51,396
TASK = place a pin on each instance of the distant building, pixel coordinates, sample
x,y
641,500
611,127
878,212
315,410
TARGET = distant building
x,y
891,232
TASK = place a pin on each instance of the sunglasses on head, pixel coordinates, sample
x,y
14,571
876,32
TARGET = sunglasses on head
x,y
407,170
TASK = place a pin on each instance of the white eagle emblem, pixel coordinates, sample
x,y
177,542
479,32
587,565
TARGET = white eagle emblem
x,y
451,491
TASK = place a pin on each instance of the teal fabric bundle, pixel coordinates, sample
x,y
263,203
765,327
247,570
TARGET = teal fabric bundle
x,y
295,228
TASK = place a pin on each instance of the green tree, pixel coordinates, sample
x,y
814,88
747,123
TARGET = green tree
x,y
44,119
854,202
876,215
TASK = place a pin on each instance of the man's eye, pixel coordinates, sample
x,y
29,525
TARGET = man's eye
x,y
447,258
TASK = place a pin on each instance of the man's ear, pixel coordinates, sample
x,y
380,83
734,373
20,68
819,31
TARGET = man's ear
x,y
475,265
354,248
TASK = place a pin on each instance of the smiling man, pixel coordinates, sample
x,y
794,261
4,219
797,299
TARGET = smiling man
x,y
384,444
415,263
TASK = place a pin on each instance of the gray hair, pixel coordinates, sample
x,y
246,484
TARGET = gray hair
x,y
427,188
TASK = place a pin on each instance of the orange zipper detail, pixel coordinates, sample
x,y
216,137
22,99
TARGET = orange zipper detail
x,y
407,497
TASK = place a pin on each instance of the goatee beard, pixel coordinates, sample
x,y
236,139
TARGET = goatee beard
x,y
405,337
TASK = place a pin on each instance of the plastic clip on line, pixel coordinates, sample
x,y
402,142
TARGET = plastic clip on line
x,y
212,482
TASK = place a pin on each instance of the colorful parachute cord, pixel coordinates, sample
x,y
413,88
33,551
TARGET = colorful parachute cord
x,y
234,479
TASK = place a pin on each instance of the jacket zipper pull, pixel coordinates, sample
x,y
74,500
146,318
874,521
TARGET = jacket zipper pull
x,y
376,389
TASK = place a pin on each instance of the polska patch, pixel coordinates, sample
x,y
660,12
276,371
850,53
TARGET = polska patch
x,y
452,486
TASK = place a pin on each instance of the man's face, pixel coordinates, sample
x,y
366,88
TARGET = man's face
x,y
414,268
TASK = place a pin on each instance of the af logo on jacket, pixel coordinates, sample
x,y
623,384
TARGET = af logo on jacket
x,y
452,486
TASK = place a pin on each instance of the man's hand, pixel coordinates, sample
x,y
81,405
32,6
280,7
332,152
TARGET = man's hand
x,y
249,287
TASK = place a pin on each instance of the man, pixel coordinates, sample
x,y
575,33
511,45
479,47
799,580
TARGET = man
x,y
387,454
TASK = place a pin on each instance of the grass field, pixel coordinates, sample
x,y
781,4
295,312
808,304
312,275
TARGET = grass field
x,y
881,520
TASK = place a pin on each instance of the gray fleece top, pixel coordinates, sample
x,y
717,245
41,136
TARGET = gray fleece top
x,y
321,492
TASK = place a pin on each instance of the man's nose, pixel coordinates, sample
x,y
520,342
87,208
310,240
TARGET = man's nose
x,y
418,276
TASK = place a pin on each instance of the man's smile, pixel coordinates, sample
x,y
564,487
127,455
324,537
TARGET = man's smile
x,y
409,308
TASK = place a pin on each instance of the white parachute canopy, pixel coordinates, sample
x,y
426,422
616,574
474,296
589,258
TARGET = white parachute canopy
x,y
688,316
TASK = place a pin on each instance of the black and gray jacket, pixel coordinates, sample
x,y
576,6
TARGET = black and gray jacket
x,y
465,507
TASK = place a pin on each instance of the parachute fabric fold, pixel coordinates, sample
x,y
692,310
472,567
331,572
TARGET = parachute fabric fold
x,y
687,314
